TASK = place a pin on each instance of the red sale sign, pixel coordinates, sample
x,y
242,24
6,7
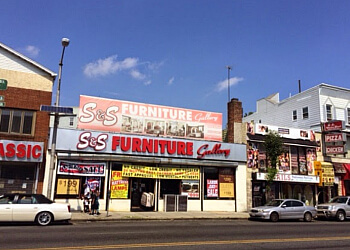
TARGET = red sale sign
x,y
212,188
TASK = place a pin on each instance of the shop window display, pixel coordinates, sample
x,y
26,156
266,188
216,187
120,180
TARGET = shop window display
x,y
219,183
17,178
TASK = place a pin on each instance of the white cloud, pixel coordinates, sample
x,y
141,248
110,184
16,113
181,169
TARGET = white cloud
x,y
137,74
109,65
154,66
32,51
171,81
220,86
138,70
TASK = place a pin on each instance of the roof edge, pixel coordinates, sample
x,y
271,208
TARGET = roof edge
x,y
14,52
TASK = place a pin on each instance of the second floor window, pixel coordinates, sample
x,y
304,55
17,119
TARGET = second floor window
x,y
329,112
15,121
348,115
306,113
295,115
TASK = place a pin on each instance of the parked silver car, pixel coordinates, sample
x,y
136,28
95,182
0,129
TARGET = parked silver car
x,y
338,208
283,209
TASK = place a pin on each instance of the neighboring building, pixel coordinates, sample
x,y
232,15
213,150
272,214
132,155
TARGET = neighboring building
x,y
324,109
148,158
296,177
24,129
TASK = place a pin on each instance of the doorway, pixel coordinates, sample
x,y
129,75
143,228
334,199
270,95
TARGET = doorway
x,y
138,187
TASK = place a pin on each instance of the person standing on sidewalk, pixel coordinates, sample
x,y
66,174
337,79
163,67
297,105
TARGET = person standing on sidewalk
x,y
87,196
95,202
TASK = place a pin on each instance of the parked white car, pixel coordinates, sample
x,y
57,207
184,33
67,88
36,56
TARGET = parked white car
x,y
32,208
283,209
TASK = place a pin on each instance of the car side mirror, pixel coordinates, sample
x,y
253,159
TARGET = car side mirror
x,y
284,206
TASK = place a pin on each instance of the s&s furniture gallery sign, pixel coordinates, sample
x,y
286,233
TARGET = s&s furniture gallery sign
x,y
138,118
111,143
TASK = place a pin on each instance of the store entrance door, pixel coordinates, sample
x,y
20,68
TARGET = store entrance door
x,y
142,194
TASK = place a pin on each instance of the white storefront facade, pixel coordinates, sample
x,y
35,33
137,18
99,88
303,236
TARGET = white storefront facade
x,y
148,158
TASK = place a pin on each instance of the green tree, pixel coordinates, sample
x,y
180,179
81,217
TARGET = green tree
x,y
274,148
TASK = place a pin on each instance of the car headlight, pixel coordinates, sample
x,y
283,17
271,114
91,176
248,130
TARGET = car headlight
x,y
330,207
260,210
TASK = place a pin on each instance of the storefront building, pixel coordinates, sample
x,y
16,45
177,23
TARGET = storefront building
x,y
24,86
296,177
148,163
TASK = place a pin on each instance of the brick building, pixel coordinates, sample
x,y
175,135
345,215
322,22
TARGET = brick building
x,y
24,129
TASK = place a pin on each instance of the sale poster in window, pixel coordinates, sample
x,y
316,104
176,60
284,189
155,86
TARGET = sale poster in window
x,y
212,188
119,186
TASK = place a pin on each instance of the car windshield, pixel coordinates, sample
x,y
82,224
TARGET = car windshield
x,y
274,203
339,200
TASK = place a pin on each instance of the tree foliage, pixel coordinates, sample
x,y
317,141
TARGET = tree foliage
x,y
274,148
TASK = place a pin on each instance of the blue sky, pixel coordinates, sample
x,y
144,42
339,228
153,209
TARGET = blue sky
x,y
175,53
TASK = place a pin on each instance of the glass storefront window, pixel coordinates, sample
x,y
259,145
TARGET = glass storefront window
x,y
219,183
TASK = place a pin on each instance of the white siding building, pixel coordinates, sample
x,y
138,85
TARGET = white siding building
x,y
311,109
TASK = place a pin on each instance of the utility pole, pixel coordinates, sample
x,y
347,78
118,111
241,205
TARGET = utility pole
x,y
228,81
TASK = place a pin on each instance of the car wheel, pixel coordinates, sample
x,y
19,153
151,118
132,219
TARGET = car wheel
x,y
307,217
340,216
274,217
43,218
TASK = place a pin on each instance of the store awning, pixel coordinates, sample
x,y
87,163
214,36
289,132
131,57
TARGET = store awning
x,y
347,168
287,141
339,168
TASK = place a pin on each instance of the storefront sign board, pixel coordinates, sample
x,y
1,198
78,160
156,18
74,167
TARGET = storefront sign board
x,y
335,150
82,169
111,143
25,151
160,172
290,178
292,133
333,126
336,137
111,115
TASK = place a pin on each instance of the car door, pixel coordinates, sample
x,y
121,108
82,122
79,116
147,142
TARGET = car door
x,y
25,209
298,210
286,211
347,208
6,208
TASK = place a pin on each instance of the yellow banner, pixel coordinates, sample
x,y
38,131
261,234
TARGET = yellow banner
x,y
160,172
68,186
119,186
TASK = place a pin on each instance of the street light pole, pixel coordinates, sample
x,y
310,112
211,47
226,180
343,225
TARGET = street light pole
x,y
228,81
65,43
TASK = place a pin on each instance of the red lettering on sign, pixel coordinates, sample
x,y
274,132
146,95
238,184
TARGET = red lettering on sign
x,y
21,151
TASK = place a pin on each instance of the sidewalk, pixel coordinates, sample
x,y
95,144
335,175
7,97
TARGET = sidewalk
x,y
80,216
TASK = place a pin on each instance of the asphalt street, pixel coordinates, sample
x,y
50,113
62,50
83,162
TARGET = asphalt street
x,y
179,234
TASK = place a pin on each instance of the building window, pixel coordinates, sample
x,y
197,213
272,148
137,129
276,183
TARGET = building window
x,y
295,115
15,121
306,113
329,112
348,115
71,121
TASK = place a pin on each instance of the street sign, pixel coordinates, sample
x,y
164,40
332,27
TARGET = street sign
x,y
2,104
55,109
3,84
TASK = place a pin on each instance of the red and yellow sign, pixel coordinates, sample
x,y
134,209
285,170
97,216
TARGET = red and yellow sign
x,y
119,186
160,172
